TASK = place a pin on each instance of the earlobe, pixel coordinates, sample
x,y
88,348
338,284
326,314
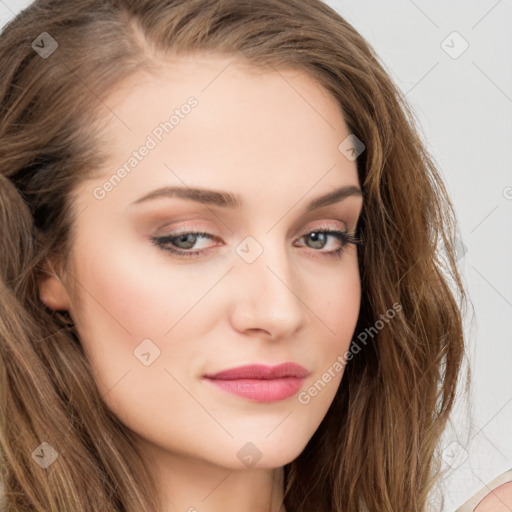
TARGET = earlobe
x,y
52,291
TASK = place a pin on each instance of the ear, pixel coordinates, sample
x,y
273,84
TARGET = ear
x,y
52,291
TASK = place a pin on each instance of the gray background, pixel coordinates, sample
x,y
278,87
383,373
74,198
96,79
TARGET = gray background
x,y
463,105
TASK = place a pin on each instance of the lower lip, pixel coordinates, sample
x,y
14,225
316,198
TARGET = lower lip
x,y
261,390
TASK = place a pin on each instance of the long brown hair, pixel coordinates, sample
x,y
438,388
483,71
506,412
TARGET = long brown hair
x,y
376,449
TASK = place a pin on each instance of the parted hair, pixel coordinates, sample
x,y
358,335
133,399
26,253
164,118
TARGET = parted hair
x,y
377,447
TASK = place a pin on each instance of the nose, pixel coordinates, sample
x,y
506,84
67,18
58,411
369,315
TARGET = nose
x,y
267,294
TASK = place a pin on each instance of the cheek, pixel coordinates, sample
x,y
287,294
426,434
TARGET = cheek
x,y
337,307
133,294
124,301
345,309
337,303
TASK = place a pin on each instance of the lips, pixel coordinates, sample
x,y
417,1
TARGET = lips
x,y
261,383
260,371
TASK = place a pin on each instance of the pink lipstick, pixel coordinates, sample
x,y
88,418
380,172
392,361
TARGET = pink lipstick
x,y
261,383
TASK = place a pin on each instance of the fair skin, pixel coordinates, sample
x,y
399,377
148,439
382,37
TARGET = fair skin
x,y
272,139
498,500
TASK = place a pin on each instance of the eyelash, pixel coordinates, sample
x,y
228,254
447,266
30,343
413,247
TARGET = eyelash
x,y
345,237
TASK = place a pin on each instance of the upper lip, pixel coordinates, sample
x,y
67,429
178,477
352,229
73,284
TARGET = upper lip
x,y
261,371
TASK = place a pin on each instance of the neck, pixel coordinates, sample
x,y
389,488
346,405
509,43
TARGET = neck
x,y
194,485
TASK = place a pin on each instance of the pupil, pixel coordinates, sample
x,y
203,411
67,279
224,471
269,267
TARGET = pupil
x,y
183,238
314,236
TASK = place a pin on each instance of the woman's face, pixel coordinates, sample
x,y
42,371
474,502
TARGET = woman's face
x,y
253,290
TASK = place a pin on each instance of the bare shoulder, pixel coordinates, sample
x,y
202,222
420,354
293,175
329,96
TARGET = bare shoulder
x,y
498,500
495,496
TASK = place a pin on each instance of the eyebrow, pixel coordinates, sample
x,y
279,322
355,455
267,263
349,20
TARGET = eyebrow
x,y
229,200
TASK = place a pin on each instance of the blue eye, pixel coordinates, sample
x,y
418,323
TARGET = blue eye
x,y
179,244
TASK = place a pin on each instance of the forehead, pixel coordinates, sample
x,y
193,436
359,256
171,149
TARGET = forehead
x,y
247,127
